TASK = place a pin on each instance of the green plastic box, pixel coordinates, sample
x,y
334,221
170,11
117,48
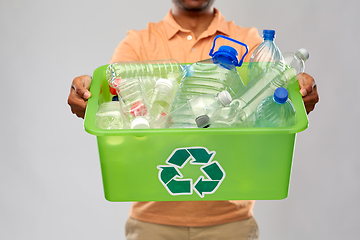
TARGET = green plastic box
x,y
194,164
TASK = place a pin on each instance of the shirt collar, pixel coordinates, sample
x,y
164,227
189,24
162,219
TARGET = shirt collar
x,y
218,24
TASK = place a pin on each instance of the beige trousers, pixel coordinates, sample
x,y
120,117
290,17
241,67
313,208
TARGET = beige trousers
x,y
240,230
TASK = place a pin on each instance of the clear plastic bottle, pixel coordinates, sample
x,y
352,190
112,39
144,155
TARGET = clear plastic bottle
x,y
211,76
264,85
193,111
261,87
134,102
297,60
275,111
161,99
148,72
265,55
109,116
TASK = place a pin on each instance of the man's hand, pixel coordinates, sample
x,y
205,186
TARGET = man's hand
x,y
79,94
308,90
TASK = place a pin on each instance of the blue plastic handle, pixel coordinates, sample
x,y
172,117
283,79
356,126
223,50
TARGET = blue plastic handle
x,y
233,40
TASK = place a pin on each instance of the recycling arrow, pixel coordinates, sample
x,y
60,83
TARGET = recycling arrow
x,y
203,186
168,172
179,157
215,175
213,171
180,187
201,155
172,179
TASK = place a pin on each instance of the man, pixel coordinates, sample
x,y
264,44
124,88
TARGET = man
x,y
186,34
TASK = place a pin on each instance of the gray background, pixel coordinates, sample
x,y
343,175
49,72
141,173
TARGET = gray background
x,y
50,180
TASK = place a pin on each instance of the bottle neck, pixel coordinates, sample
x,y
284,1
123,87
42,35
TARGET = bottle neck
x,y
300,56
268,39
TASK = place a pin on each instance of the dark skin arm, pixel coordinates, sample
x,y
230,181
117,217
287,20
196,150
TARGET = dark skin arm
x,y
308,90
79,94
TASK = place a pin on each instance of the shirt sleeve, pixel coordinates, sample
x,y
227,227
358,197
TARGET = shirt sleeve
x,y
128,49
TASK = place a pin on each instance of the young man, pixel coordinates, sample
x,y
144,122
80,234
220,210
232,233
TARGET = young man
x,y
186,34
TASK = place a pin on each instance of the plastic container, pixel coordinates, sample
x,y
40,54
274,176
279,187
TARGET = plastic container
x,y
193,164
275,111
265,55
199,111
212,75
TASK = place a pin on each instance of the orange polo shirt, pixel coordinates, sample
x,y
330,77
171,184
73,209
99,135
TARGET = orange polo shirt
x,y
167,40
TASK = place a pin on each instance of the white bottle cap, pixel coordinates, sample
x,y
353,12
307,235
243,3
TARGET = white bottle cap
x,y
224,97
304,54
140,123
165,82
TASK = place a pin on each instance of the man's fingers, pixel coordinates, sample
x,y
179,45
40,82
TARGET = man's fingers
x,y
81,86
75,100
79,94
306,83
311,100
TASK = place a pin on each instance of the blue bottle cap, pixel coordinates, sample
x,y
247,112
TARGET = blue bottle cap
x,y
281,95
268,34
115,98
226,56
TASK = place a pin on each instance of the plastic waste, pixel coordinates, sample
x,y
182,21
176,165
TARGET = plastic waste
x,y
275,111
265,55
263,85
148,72
109,116
134,102
161,99
212,75
198,112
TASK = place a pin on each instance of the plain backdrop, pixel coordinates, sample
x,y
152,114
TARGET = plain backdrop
x,y
50,179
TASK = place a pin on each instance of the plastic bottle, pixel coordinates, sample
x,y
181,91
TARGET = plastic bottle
x,y
197,110
148,72
212,75
134,102
264,85
275,111
161,98
297,60
109,116
265,55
